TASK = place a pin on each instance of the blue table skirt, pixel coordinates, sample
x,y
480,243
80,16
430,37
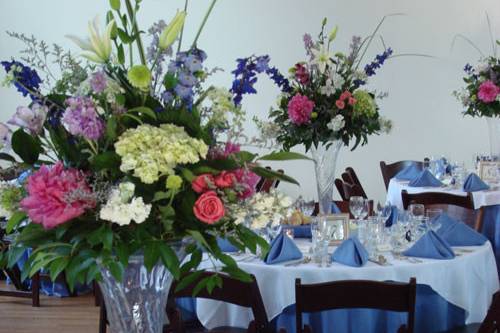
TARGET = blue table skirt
x,y
50,288
432,314
491,229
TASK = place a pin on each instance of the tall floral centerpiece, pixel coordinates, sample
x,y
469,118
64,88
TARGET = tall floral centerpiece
x,y
323,104
126,172
481,97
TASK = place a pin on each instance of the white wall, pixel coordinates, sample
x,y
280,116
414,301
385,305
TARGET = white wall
x,y
427,119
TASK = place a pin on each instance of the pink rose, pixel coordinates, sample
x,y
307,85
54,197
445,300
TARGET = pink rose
x,y
200,184
300,109
209,208
56,195
340,104
345,95
225,179
352,101
488,91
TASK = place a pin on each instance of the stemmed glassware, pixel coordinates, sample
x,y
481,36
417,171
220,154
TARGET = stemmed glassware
x,y
432,222
358,207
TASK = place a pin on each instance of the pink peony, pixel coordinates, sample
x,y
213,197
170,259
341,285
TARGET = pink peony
x,y
209,208
56,195
488,91
300,109
247,180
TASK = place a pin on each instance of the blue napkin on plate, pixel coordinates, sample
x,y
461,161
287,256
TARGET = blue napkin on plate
x,y
408,173
393,216
225,245
430,245
424,179
283,248
473,183
444,220
351,252
460,234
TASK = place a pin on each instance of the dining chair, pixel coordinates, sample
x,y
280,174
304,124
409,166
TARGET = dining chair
x,y
265,184
490,324
245,294
343,206
354,180
390,170
352,294
444,200
339,184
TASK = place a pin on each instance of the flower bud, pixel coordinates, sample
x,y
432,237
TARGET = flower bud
x,y
170,33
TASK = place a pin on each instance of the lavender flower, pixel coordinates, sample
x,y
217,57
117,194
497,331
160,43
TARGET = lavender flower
x,y
5,136
308,44
81,118
31,119
98,82
354,48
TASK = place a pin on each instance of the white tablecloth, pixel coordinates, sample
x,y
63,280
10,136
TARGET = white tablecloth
x,y
468,281
481,198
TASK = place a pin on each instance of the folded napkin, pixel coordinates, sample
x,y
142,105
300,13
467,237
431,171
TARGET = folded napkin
x,y
225,245
283,248
300,231
444,220
425,178
408,173
460,234
393,216
473,183
351,252
430,245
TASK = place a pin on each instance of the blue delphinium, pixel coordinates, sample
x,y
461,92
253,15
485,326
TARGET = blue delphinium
x,y
379,61
468,69
245,76
25,78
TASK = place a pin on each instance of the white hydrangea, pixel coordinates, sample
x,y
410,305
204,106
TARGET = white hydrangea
x,y
336,123
123,208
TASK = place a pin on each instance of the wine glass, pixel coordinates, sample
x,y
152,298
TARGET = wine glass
x,y
357,207
416,211
432,218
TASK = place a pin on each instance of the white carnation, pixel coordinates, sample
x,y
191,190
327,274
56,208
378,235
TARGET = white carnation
x,y
336,124
119,210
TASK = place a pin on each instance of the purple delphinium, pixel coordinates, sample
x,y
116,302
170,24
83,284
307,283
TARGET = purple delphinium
x,y
81,118
26,80
379,61
98,82
468,69
31,119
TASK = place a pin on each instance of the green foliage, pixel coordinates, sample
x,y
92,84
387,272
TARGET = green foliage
x,y
26,146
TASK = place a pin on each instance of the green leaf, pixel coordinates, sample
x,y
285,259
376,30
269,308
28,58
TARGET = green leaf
x,y
202,284
189,279
57,266
14,221
197,236
151,254
283,156
116,269
124,37
193,262
121,54
26,147
169,81
14,254
92,273
133,117
115,4
159,196
170,260
7,157
123,253
187,174
111,128
245,156
142,110
107,238
237,273
107,160
270,174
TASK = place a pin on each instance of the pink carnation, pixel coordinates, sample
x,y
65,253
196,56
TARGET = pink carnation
x,y
247,180
300,109
488,91
56,195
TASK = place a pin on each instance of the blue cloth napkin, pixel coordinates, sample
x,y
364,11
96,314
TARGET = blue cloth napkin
x,y
335,209
351,252
300,231
460,234
225,245
283,248
425,178
430,245
408,173
473,183
393,216
444,220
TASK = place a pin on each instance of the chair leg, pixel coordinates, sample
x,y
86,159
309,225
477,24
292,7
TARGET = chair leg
x,y
102,318
479,220
35,290
97,293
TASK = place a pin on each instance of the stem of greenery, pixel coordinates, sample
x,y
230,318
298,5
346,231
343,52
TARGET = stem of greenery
x,y
135,28
182,29
203,22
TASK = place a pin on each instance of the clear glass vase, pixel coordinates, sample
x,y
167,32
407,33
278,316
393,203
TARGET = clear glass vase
x,y
494,134
138,303
325,162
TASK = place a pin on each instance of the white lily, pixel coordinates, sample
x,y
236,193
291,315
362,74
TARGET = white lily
x,y
97,47
321,58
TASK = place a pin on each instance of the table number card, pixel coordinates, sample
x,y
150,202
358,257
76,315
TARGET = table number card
x,y
488,171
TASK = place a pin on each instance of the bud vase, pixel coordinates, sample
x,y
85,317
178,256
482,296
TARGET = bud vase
x,y
494,135
325,161
137,303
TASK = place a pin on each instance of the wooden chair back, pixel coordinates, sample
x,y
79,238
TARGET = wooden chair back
x,y
444,200
390,170
235,292
352,294
343,206
339,184
265,185
355,180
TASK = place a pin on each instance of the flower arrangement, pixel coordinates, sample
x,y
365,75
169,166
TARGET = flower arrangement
x,y
324,99
124,157
481,95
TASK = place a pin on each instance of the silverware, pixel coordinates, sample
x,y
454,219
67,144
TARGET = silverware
x,y
380,260
399,256
305,260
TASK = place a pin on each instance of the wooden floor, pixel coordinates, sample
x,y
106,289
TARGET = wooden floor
x,y
55,315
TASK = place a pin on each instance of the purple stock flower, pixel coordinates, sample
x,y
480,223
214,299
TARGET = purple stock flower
x,y
31,119
308,44
5,136
81,118
98,82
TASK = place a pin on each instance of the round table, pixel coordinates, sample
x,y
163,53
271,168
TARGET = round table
x,y
466,282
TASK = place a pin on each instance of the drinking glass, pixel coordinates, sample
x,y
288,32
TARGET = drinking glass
x,y
358,207
416,211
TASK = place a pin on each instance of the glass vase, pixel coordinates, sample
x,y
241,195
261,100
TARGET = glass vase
x,y
138,303
494,135
325,161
